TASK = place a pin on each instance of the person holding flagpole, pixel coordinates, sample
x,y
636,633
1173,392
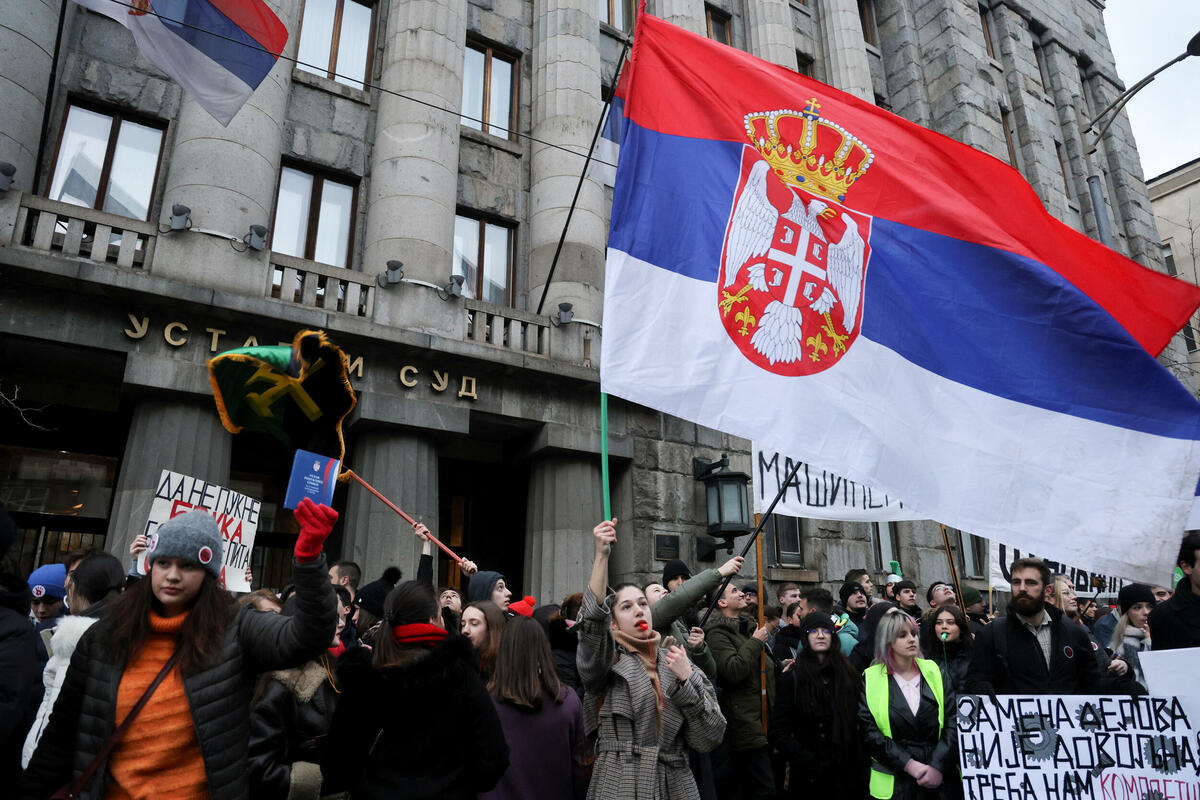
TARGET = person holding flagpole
x,y
644,700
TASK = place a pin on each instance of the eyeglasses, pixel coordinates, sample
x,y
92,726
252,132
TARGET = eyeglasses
x,y
820,632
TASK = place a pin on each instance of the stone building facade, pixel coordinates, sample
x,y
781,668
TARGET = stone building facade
x,y
1175,198
394,141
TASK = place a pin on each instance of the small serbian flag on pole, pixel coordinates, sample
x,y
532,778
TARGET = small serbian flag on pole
x,y
219,51
795,266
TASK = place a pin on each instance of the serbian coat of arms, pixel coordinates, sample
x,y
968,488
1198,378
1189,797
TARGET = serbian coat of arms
x,y
790,292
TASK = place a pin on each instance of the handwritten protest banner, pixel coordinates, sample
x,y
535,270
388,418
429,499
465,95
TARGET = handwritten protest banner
x,y
819,494
1000,556
235,513
1016,747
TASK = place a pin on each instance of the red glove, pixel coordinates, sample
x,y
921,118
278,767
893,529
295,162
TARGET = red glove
x,y
316,521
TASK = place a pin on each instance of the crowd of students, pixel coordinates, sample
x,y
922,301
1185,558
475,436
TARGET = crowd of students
x,y
168,686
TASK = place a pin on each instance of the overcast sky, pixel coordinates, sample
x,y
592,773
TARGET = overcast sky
x,y
1166,114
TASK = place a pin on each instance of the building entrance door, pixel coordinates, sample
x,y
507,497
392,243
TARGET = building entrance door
x,y
482,517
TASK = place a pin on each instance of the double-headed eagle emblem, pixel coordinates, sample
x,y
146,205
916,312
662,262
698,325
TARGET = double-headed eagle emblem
x,y
793,269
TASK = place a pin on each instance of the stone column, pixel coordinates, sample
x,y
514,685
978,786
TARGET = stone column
x,y
182,435
404,468
687,14
27,30
846,63
414,161
227,177
566,105
564,506
769,32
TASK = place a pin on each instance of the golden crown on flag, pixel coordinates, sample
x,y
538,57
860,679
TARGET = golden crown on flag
x,y
808,150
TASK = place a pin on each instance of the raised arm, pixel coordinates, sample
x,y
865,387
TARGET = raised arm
x,y
596,650
673,604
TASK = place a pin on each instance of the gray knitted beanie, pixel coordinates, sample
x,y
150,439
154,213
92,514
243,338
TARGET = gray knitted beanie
x,y
193,536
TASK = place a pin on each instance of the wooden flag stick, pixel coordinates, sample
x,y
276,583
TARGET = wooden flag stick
x,y
351,473
958,596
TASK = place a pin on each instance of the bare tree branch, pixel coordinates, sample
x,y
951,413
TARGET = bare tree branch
x,y
23,411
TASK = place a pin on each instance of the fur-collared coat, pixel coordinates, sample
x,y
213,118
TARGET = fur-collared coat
x,y
640,754
289,726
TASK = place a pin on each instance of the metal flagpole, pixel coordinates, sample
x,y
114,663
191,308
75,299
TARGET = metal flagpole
x,y
579,186
604,491
762,656
753,538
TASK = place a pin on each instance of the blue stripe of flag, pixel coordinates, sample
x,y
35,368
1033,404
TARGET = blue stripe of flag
x,y
985,318
243,56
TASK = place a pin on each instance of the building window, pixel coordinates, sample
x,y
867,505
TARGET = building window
x,y
489,90
866,15
804,64
1039,55
786,531
314,217
720,26
885,544
1064,170
972,554
336,40
1010,136
1189,333
616,13
986,24
107,161
483,255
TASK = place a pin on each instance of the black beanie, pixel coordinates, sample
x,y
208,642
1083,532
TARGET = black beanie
x,y
675,569
849,588
815,619
482,583
1134,593
370,597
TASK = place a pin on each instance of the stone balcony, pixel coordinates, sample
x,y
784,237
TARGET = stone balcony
x,y
342,299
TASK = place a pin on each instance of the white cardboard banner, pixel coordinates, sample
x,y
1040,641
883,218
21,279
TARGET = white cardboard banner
x,y
236,515
819,494
1049,747
1001,556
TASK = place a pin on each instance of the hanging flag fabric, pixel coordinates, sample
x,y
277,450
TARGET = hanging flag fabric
x,y
608,147
298,394
793,265
219,51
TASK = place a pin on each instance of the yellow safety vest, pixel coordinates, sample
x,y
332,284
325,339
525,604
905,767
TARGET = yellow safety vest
x,y
883,784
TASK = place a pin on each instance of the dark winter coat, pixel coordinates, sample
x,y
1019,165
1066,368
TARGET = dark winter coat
x,y
423,730
1016,665
289,726
1175,623
563,645
20,678
739,678
219,695
548,750
640,754
804,737
914,737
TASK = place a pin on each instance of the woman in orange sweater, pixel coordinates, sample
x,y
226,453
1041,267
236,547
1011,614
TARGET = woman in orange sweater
x,y
190,738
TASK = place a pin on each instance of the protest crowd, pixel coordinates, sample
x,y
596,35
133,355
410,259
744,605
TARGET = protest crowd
x,y
115,685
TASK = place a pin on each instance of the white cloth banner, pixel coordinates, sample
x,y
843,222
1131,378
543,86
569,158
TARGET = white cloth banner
x,y
819,494
1001,556
236,515
1017,747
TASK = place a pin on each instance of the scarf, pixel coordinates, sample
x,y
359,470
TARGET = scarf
x,y
419,633
647,652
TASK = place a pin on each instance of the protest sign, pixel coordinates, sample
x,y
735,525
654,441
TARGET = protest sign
x,y
1000,556
1016,747
819,494
235,513
1172,672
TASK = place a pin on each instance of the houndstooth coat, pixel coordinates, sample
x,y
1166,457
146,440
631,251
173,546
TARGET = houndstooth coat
x,y
633,760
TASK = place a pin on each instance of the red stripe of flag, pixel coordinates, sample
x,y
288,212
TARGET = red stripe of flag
x,y
256,19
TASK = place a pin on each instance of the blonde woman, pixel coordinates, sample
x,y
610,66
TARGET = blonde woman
x,y
907,714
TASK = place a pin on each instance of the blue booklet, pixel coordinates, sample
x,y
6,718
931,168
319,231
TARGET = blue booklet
x,y
313,476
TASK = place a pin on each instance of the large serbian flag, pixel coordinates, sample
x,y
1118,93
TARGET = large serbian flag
x,y
218,50
795,266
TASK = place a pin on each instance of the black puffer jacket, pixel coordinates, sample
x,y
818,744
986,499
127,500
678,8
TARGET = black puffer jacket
x,y
219,696
20,677
425,730
289,727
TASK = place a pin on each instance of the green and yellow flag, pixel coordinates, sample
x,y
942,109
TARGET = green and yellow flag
x,y
298,394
